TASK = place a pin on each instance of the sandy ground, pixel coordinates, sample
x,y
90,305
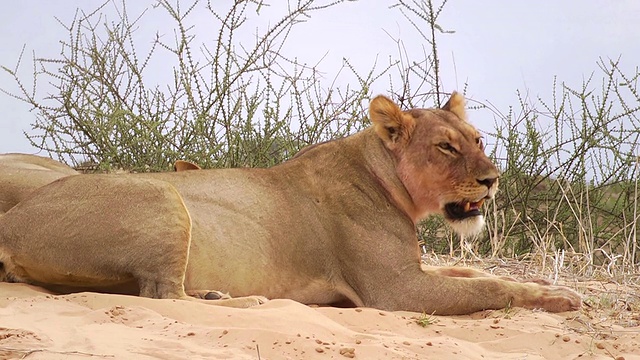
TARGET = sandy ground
x,y
37,325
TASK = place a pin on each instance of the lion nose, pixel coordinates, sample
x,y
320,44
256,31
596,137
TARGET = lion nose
x,y
488,182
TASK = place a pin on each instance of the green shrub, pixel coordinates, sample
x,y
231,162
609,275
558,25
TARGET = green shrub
x,y
570,169
569,180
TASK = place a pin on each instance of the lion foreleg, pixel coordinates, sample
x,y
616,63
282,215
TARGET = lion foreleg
x,y
464,272
432,292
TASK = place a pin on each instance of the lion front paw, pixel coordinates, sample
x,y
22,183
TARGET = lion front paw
x,y
553,299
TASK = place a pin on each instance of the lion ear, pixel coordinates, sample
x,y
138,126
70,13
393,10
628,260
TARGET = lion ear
x,y
391,124
182,165
456,105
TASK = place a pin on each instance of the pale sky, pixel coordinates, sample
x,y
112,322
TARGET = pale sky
x,y
498,46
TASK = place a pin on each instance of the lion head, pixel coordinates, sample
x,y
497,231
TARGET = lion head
x,y
440,160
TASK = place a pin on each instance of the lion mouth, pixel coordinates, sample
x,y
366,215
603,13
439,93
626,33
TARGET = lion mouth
x,y
463,210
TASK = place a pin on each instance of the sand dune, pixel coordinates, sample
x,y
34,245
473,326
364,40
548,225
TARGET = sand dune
x,y
37,325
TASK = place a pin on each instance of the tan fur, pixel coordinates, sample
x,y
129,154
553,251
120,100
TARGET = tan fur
x,y
335,224
21,174
456,105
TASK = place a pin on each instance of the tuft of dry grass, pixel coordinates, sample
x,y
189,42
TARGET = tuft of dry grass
x,y
610,303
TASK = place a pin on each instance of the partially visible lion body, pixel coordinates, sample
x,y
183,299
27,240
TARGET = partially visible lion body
x,y
334,224
21,174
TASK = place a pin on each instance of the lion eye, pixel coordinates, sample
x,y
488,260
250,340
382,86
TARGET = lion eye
x,y
447,147
480,143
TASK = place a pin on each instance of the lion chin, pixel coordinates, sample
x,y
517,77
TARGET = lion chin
x,y
465,217
468,227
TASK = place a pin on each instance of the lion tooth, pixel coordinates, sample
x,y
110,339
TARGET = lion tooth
x,y
467,206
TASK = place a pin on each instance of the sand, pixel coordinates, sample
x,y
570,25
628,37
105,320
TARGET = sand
x,y
38,325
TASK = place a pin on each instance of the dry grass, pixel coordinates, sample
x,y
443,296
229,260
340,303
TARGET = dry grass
x,y
611,303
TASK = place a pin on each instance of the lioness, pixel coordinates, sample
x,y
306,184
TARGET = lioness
x,y
21,174
335,224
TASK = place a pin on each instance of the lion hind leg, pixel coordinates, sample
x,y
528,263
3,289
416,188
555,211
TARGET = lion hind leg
x,y
208,294
10,271
152,288
224,299
239,302
161,289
